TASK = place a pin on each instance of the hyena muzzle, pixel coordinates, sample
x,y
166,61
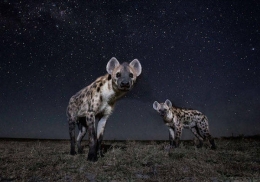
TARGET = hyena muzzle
x,y
178,118
95,103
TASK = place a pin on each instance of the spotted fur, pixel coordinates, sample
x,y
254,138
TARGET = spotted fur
x,y
177,119
95,103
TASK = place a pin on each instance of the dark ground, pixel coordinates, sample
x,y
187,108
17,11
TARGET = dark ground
x,y
236,159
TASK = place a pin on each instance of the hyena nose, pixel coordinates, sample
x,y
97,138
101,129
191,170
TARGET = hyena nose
x,y
125,84
162,112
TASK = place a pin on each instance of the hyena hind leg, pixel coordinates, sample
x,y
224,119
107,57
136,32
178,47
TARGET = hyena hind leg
x,y
72,136
90,120
177,141
82,133
211,140
195,131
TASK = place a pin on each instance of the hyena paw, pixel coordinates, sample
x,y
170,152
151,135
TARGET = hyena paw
x,y
100,153
80,150
92,157
72,152
200,144
169,147
213,147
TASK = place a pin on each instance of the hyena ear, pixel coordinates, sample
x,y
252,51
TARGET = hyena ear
x,y
136,65
168,103
155,105
112,64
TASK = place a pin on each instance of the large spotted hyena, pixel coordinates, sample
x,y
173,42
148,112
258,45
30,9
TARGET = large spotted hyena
x,y
95,103
177,119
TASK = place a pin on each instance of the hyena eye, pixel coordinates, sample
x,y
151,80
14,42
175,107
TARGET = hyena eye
x,y
118,74
131,75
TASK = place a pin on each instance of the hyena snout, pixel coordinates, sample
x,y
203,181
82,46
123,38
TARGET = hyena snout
x,y
125,85
162,112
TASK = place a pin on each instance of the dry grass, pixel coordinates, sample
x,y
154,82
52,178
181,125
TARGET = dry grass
x,y
45,160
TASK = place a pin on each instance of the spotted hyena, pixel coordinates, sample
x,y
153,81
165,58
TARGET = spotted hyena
x,y
177,119
95,103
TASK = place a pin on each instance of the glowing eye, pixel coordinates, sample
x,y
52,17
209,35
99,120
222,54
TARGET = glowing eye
x,y
131,75
118,75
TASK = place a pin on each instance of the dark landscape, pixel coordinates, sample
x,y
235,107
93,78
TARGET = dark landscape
x,y
202,55
235,159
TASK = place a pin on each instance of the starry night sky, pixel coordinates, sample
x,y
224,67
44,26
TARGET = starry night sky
x,y
199,54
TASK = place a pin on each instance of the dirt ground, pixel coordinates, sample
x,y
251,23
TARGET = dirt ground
x,y
235,159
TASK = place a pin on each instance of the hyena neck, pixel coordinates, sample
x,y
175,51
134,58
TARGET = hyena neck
x,y
110,92
168,118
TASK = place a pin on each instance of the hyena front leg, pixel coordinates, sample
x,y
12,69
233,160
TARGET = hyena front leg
x,y
100,132
195,131
82,133
178,131
90,120
172,137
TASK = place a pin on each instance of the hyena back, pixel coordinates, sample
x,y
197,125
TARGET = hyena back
x,y
177,119
95,103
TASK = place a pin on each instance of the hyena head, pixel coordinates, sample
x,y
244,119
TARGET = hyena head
x,y
123,75
164,109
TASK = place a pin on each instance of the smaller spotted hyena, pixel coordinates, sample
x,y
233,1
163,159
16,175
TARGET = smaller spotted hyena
x,y
177,119
94,104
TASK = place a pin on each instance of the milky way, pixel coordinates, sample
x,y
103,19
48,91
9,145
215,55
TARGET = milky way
x,y
201,55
